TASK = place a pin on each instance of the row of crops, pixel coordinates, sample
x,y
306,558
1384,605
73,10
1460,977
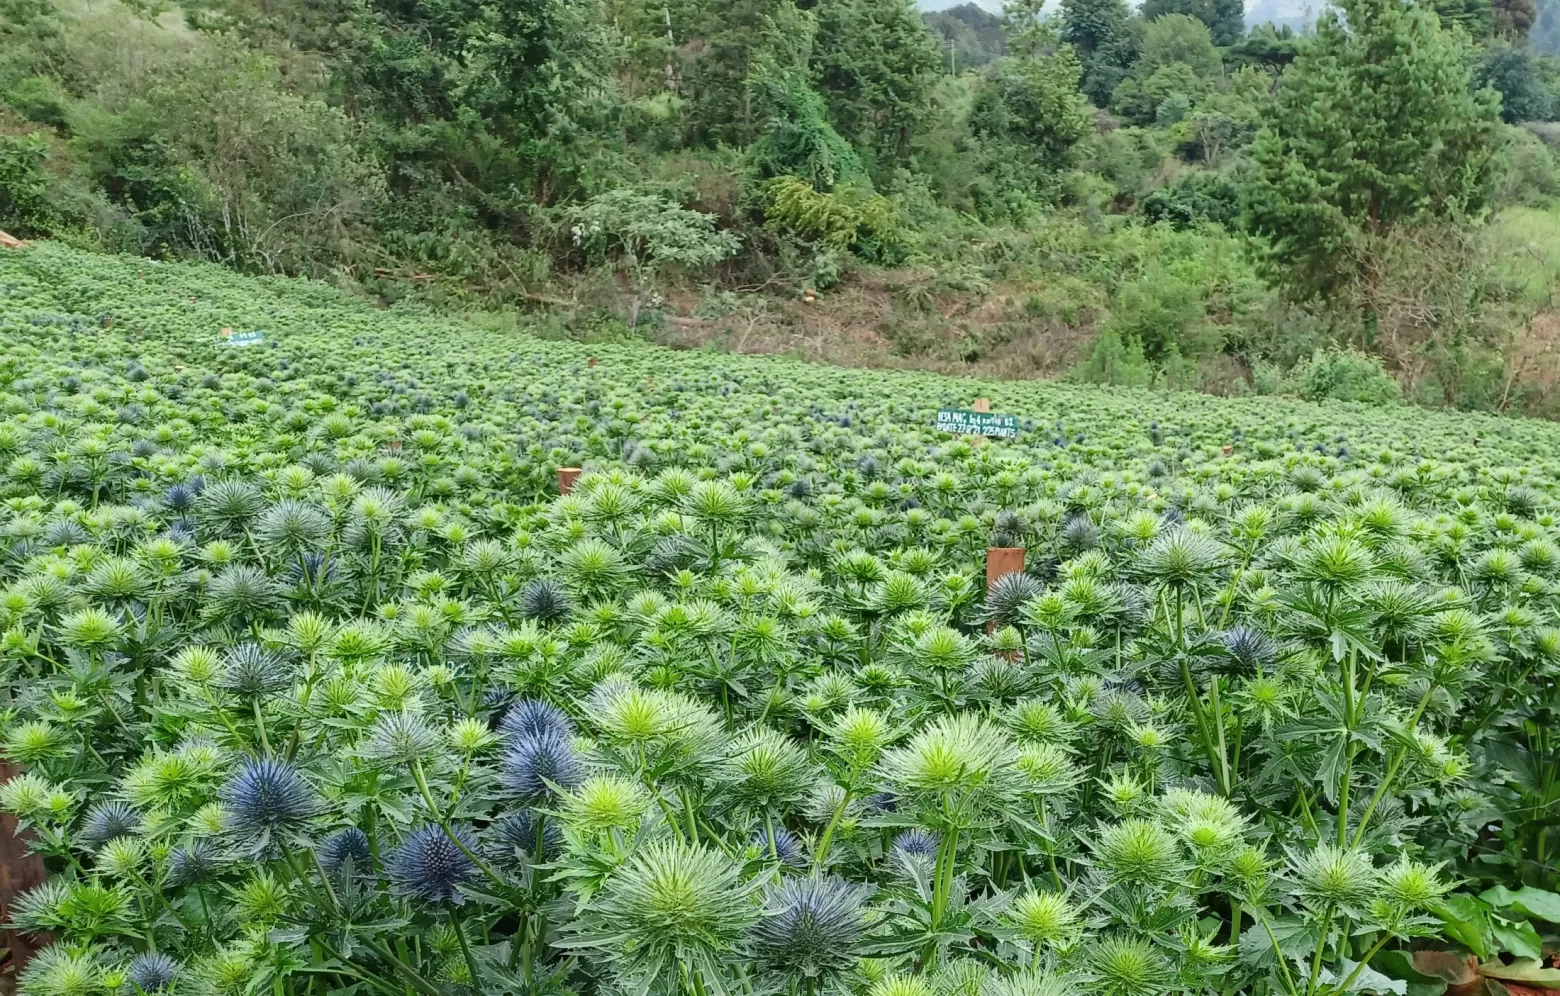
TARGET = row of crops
x,y
314,684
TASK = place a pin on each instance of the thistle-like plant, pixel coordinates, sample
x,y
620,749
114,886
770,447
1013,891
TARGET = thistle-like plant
x,y
674,912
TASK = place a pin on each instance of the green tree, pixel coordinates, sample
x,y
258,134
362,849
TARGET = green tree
x,y
1513,73
1138,100
1225,19
726,44
1097,31
648,236
876,65
1033,106
1477,17
1177,38
25,207
1374,127
1513,19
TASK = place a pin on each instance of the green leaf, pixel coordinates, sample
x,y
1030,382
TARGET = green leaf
x,y
1400,965
1540,904
1466,923
1518,938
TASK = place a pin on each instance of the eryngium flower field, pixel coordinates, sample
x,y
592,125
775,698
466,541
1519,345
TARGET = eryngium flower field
x,y
317,685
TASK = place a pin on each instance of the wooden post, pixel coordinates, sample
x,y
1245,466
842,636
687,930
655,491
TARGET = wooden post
x,y
566,478
20,871
981,405
1000,562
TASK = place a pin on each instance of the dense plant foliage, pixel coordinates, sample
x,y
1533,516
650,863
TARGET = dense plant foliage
x,y
858,180
319,686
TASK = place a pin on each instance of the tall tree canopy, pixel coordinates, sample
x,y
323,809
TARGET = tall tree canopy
x,y
1375,126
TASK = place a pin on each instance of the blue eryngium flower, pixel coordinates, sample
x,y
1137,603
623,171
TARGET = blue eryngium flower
x,y
251,671
429,866
107,820
534,718
545,601
1248,648
786,846
917,843
195,862
152,973
811,926
516,833
179,497
266,798
346,845
535,763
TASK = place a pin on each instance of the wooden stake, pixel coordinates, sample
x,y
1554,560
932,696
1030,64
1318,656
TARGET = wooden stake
x,y
566,478
1000,562
981,405
20,871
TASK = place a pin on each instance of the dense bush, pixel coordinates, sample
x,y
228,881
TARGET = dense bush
x,y
320,687
1346,375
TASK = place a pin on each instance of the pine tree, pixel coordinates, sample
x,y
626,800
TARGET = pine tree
x,y
1374,127
876,64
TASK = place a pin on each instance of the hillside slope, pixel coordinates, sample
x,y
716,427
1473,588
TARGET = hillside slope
x,y
392,364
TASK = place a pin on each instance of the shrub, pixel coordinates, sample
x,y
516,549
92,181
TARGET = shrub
x,y
26,204
1346,375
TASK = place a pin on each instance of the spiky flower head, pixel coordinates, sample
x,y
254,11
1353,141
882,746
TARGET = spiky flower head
x,y
605,802
106,820
342,847
1332,876
674,907
1180,559
430,865
121,857
194,863
961,754
533,765
1411,886
769,771
1249,649
859,734
1128,966
900,984
544,601
1007,596
811,927
784,846
266,799
1335,562
252,672
917,844
151,973
1044,917
533,718
1040,721
401,738
1027,983
1139,851
1047,769
514,834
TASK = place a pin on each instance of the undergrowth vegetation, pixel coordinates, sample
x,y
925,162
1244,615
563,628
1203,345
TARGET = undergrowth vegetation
x,y
320,687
